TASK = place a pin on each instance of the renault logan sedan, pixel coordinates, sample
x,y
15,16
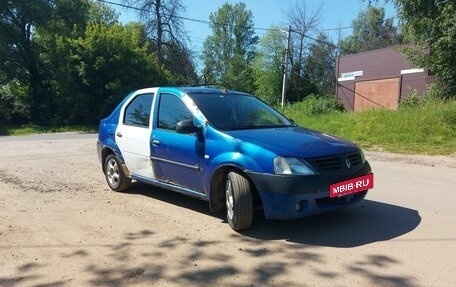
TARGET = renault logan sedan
x,y
231,150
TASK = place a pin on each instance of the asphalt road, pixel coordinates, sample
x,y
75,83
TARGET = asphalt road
x,y
61,226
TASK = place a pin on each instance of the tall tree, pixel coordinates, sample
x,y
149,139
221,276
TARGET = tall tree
x,y
18,50
101,67
229,51
164,26
91,66
22,24
268,66
371,31
304,22
320,65
431,26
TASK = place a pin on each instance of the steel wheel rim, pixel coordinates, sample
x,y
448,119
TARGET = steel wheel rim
x,y
112,172
229,200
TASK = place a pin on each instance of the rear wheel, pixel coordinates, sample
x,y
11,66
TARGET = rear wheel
x,y
115,176
239,201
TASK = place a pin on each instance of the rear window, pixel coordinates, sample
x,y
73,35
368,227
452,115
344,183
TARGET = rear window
x,y
137,113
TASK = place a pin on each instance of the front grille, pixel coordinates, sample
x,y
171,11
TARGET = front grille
x,y
335,163
355,159
327,163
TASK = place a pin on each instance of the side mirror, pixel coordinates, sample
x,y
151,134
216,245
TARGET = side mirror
x,y
187,127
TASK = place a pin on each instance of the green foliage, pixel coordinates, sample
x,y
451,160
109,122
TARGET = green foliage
x,y
70,61
18,51
320,65
229,51
164,27
36,129
305,24
323,105
413,99
178,61
314,73
371,31
163,23
267,67
100,67
13,103
432,27
315,105
427,129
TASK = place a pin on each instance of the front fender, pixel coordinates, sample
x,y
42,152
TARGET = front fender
x,y
215,175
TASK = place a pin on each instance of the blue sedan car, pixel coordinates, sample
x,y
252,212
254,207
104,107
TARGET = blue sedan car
x,y
231,150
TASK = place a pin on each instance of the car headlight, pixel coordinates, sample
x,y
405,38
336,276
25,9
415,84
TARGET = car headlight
x,y
292,165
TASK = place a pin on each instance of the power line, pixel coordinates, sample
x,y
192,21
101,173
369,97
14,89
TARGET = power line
x,y
336,29
255,28
314,39
178,17
209,22
146,10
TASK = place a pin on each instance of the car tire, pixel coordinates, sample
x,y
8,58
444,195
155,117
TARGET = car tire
x,y
239,201
115,176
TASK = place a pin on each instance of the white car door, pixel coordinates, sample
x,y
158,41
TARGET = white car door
x,y
134,131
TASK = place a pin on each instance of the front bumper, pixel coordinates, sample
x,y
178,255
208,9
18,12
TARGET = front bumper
x,y
288,197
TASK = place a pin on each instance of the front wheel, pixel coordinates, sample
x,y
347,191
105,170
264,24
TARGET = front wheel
x,y
115,176
239,201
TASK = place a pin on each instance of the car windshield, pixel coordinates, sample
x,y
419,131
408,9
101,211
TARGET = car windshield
x,y
238,111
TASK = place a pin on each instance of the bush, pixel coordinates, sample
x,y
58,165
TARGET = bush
x,y
317,105
414,99
13,106
313,106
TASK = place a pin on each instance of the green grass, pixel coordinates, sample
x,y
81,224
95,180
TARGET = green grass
x,y
36,129
425,128
429,128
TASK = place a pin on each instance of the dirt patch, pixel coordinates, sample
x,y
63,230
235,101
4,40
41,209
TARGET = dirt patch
x,y
61,226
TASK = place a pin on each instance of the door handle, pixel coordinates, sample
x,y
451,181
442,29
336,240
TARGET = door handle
x,y
119,134
156,142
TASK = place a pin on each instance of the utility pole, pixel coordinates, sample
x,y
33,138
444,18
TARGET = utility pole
x,y
336,82
285,65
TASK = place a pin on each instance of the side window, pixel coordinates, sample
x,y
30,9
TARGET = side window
x,y
137,112
171,110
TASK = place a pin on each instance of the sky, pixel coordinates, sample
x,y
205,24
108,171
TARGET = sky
x,y
266,13
335,13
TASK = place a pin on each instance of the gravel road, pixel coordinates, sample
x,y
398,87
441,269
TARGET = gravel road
x,y
61,226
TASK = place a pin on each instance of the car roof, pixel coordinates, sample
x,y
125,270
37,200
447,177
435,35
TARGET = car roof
x,y
207,90
202,90
192,90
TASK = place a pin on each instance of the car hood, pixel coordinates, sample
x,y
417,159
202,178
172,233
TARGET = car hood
x,y
295,141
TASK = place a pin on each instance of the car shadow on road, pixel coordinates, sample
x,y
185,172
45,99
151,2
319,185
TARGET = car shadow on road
x,y
173,198
367,222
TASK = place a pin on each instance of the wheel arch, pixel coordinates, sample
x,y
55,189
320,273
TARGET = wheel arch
x,y
105,151
217,188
